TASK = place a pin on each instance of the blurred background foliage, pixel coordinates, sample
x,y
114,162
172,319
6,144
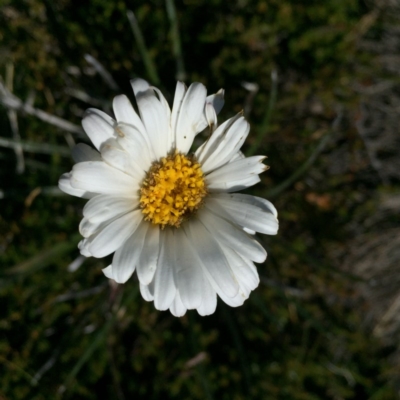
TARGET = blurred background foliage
x,y
319,83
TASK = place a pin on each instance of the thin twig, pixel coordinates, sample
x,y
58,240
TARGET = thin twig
x,y
45,367
69,139
34,147
76,264
83,96
79,295
101,70
12,116
12,102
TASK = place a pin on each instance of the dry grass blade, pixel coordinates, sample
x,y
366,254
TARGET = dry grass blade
x,y
271,105
176,40
44,258
148,62
41,148
12,116
83,96
301,170
99,338
31,379
108,79
12,102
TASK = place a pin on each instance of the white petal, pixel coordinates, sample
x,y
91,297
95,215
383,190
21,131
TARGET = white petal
x,y
139,85
177,308
82,152
234,186
229,235
83,247
156,121
216,140
163,101
211,117
171,136
243,214
227,145
137,145
217,100
145,292
88,228
97,176
209,300
211,256
236,170
176,107
99,126
241,198
147,263
104,207
189,276
64,183
115,234
126,257
234,301
191,119
238,156
121,160
108,272
126,114
164,285
245,272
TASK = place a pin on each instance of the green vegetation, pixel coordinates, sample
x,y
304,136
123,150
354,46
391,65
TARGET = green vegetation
x,y
308,331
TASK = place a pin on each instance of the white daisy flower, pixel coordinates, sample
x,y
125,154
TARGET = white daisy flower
x,y
165,212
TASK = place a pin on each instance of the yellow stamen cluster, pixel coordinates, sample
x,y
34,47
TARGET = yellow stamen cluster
x,y
173,189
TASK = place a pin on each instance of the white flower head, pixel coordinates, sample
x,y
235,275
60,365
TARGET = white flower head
x,y
169,214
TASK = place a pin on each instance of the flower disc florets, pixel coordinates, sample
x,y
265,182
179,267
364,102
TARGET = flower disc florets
x,y
173,189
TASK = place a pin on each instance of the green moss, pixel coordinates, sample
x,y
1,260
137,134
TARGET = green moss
x,y
296,337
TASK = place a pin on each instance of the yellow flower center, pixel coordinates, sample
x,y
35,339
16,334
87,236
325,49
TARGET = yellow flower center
x,y
173,189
